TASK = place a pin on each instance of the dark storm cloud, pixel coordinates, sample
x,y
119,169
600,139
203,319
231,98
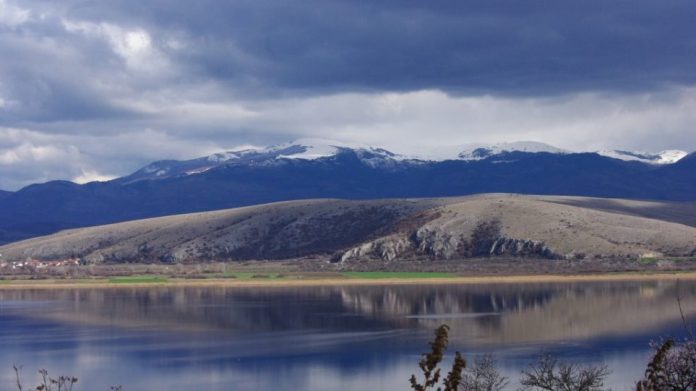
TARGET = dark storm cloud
x,y
268,48
509,47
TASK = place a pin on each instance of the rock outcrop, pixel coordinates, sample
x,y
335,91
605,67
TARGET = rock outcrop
x,y
440,245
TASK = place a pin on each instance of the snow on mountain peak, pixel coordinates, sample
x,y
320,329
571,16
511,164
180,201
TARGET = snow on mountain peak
x,y
222,157
482,151
314,148
311,149
672,156
664,157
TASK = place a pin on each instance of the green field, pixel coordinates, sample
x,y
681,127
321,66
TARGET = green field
x,y
653,260
138,280
251,275
385,275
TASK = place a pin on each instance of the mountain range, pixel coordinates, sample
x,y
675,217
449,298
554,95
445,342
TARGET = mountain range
x,y
310,169
315,149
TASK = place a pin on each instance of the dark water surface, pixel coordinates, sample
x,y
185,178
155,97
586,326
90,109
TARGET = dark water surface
x,y
325,338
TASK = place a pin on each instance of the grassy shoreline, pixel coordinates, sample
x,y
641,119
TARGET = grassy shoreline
x,y
352,278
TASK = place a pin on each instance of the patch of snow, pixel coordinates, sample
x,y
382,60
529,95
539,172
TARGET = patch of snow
x,y
233,154
151,168
664,157
315,148
312,149
198,170
672,156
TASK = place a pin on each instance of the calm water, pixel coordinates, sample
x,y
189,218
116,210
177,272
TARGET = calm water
x,y
333,338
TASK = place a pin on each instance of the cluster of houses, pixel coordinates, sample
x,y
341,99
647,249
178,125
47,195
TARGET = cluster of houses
x,y
36,264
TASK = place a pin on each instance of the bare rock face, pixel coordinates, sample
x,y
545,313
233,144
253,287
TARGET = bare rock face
x,y
385,249
522,248
428,242
437,243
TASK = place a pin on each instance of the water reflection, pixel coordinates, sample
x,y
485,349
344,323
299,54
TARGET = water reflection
x,y
326,338
531,313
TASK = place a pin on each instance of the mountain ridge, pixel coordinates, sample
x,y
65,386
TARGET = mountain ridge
x,y
315,149
489,225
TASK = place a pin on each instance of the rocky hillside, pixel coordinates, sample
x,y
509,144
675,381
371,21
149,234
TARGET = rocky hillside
x,y
496,225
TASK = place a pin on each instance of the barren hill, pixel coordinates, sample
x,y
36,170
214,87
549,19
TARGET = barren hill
x,y
387,230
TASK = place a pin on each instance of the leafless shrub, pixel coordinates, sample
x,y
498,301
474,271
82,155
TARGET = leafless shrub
x,y
483,376
63,383
17,371
47,383
550,374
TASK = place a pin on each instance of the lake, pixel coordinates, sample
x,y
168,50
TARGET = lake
x,y
326,338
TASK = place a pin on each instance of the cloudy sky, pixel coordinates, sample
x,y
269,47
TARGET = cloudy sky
x,y
96,89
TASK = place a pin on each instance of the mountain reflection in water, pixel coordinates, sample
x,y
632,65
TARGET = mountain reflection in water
x,y
339,337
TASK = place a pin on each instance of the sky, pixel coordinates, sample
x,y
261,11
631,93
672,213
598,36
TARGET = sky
x,y
92,90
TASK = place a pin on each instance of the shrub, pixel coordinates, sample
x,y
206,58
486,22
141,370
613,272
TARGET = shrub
x,y
430,361
550,374
483,376
47,383
672,368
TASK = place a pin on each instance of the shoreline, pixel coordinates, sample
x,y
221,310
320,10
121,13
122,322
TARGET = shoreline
x,y
331,281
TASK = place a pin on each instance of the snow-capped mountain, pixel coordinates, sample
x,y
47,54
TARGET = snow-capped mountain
x,y
302,149
664,157
483,151
319,149
314,148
